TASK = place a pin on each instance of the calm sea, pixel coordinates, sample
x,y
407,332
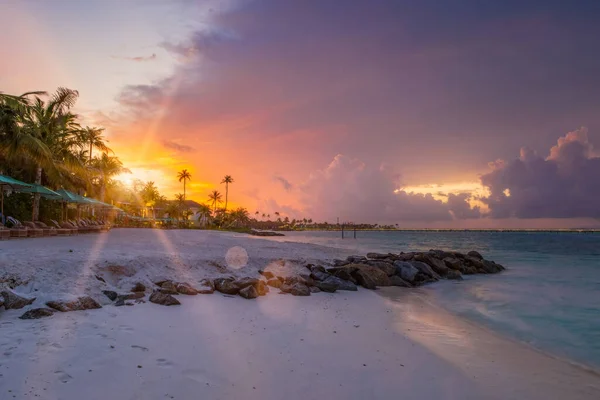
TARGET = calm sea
x,y
549,297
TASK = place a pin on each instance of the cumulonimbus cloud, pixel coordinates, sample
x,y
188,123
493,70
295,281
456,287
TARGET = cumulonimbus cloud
x,y
565,184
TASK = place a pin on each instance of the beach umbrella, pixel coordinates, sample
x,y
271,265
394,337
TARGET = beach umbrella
x,y
8,182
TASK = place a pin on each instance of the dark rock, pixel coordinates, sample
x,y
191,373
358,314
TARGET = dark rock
x,y
131,296
37,313
441,254
453,274
82,303
120,302
303,280
397,281
340,263
314,289
245,282
343,273
163,299
265,233
297,289
13,301
437,265
453,263
377,256
266,274
365,280
491,267
168,287
187,289
226,286
138,287
274,282
249,292
341,284
110,294
356,259
101,279
406,256
406,270
425,269
325,286
386,267
475,254
206,287
319,275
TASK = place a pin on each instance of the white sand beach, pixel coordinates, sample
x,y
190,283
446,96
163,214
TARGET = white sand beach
x,y
385,344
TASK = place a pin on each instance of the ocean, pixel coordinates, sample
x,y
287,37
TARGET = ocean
x,y
549,296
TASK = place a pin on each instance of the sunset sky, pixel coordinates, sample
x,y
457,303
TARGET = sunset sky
x,y
423,113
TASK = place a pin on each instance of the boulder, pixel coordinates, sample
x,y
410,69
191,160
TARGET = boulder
x,y
425,269
356,259
314,289
342,273
262,288
406,270
453,263
397,281
340,284
491,267
453,274
377,256
138,287
206,287
82,303
226,286
436,264
406,256
266,274
245,282
441,254
187,289
325,286
248,292
385,266
13,301
131,296
297,289
365,280
340,263
110,294
164,299
274,282
362,274
302,279
475,254
37,313
168,287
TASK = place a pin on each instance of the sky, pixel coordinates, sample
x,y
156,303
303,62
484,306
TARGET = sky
x,y
450,114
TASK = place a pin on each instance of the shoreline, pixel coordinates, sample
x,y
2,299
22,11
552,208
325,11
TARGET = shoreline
x,y
441,354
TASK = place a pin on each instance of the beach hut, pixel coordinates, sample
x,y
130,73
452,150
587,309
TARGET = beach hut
x,y
6,182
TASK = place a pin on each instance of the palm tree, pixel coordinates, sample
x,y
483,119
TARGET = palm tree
x,y
240,217
204,213
107,167
227,180
93,137
215,198
184,176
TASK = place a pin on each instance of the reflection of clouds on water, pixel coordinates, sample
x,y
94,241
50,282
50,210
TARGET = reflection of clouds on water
x,y
236,257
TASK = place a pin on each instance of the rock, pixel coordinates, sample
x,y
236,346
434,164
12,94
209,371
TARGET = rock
x,y
475,254
37,313
453,263
131,296
425,269
437,265
266,274
110,294
101,279
245,282
163,299
13,301
365,280
377,256
168,287
303,280
406,256
226,286
356,259
453,274
340,284
314,289
342,273
325,286
120,302
386,267
262,288
297,289
206,287
397,281
363,274
340,263
274,282
249,292
441,254
319,275
138,287
187,289
82,303
491,267
406,270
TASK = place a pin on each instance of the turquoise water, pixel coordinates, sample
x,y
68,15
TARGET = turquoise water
x,y
549,297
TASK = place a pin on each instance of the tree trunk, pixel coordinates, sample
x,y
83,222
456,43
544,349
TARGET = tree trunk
x,y
184,190
90,151
226,194
36,197
102,188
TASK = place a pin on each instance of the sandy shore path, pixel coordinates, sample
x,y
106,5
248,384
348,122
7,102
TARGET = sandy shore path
x,y
352,345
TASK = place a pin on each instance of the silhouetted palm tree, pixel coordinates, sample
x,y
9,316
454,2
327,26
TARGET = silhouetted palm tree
x,y
227,180
184,176
93,136
215,198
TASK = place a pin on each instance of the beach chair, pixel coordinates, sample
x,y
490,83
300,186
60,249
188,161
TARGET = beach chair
x,y
17,229
66,226
4,233
32,225
32,230
54,231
